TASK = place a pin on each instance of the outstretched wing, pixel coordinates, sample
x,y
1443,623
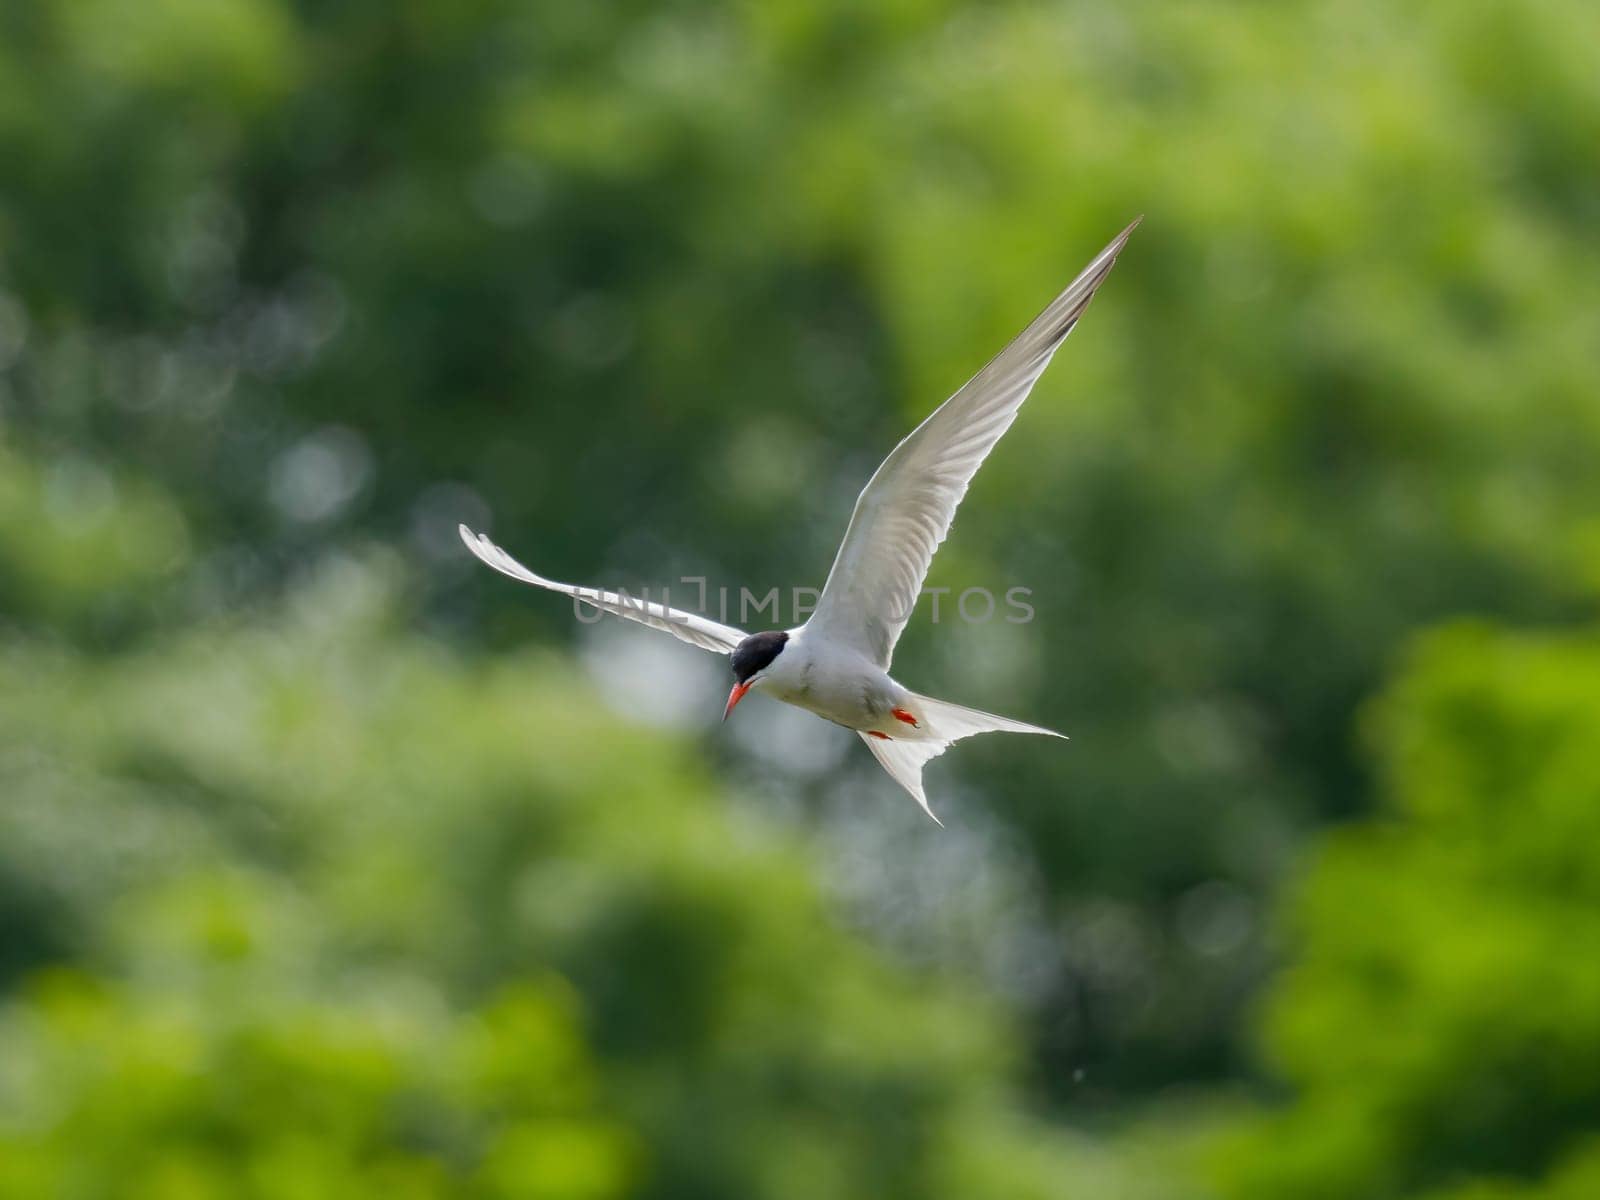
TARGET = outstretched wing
x,y
904,512
689,627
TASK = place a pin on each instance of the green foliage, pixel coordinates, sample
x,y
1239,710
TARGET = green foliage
x,y
650,289
82,549
1442,1019
352,914
223,1083
367,270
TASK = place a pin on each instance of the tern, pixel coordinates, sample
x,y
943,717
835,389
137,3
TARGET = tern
x,y
836,664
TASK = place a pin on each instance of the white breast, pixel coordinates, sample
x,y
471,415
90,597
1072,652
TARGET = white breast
x,y
833,681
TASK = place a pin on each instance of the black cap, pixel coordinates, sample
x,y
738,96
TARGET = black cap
x,y
756,652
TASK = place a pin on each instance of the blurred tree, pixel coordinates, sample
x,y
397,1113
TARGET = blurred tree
x,y
83,550
1441,1022
663,282
222,1083
349,915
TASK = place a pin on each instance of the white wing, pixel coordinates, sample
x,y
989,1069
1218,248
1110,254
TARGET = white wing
x,y
689,627
904,512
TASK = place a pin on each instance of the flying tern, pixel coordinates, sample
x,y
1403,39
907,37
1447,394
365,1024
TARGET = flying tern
x,y
837,663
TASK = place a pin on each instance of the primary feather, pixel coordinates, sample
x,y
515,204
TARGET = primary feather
x,y
905,511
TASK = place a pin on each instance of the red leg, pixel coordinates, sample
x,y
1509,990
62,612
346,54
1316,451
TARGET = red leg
x,y
900,714
876,734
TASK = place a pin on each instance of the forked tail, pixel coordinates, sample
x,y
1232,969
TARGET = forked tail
x,y
943,724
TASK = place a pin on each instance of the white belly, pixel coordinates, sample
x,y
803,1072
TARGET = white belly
x,y
837,685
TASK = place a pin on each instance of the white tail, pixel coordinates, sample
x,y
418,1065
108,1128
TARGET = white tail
x,y
943,724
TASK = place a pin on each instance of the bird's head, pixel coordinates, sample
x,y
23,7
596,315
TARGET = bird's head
x,y
751,658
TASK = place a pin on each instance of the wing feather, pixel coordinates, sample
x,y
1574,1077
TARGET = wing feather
x,y
905,511
685,626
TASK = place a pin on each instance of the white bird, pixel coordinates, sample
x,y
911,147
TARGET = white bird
x,y
837,663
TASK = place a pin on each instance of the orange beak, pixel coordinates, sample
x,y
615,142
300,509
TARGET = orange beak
x,y
739,689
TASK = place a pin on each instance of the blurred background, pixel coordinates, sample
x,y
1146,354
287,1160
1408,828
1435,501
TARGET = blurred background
x,y
331,862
